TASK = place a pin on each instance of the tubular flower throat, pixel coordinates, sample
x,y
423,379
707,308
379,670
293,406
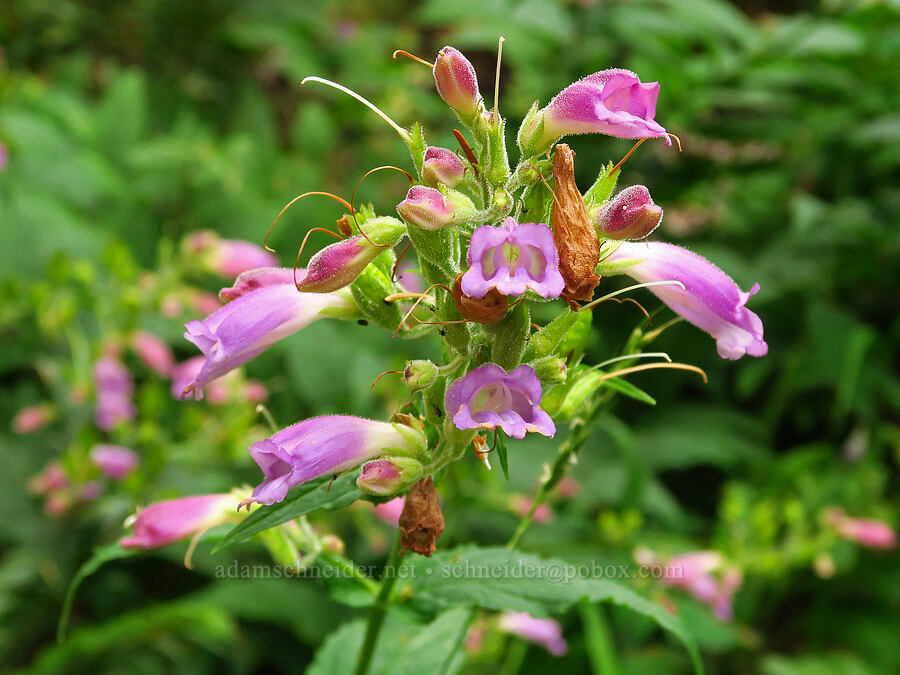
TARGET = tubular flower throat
x,y
511,259
489,397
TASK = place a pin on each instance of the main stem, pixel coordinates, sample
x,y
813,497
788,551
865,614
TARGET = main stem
x,y
379,610
580,431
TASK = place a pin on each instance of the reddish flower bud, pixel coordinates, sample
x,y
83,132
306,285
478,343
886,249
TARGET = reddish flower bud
x,y
389,475
339,264
456,81
33,418
114,461
156,354
426,208
631,214
442,167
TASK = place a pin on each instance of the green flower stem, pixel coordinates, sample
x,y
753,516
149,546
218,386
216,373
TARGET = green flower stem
x,y
579,431
379,610
515,656
599,642
346,568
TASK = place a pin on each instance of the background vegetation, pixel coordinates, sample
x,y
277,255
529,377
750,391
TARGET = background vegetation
x,y
128,125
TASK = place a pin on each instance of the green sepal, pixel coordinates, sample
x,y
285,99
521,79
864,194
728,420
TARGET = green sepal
x,y
369,290
460,337
511,336
603,187
384,230
530,133
494,158
502,455
550,370
545,341
417,147
434,403
563,401
438,247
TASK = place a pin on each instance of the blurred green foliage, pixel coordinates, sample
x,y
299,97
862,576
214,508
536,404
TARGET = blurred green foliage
x,y
130,124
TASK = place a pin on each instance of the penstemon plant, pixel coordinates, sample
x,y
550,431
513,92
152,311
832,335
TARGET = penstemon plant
x,y
493,241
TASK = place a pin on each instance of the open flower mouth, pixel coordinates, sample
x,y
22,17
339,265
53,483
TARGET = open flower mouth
x,y
489,397
513,258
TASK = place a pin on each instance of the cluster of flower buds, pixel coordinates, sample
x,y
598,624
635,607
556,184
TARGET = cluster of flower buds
x,y
485,268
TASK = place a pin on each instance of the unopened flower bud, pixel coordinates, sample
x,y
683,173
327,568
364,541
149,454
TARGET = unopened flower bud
x,y
33,418
389,475
502,201
457,82
331,544
420,374
431,209
550,370
442,167
631,214
154,352
339,264
114,461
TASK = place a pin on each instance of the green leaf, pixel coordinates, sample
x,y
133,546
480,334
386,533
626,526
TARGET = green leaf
x,y
317,494
403,648
627,389
502,455
101,556
435,644
162,625
501,579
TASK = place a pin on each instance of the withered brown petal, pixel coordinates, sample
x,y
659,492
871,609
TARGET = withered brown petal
x,y
422,521
576,240
489,310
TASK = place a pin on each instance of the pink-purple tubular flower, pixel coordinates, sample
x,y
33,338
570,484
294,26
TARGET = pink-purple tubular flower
x,y
229,257
253,280
705,576
155,353
247,326
390,512
166,522
544,632
489,397
113,386
114,461
710,299
325,445
864,531
613,102
513,258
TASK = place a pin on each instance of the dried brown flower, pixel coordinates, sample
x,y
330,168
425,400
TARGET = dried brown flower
x,y
489,310
421,522
576,240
